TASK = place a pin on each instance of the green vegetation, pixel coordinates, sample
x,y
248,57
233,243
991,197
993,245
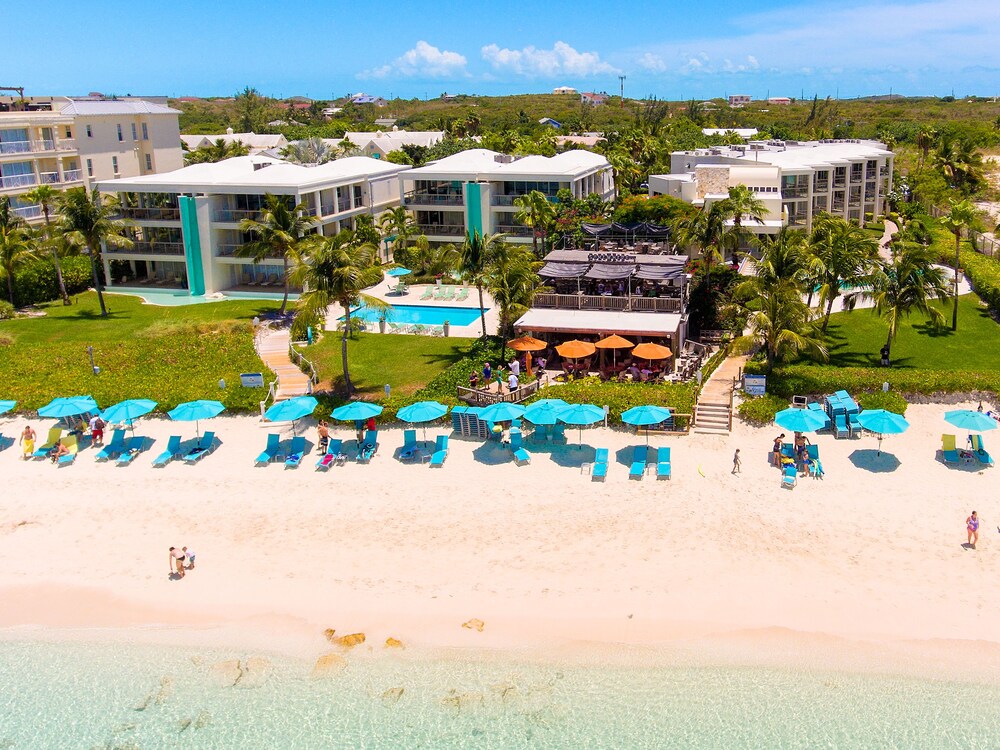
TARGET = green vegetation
x,y
760,410
619,397
169,354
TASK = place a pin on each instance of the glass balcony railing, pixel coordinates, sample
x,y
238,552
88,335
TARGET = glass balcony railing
x,y
433,199
17,181
236,215
151,214
446,230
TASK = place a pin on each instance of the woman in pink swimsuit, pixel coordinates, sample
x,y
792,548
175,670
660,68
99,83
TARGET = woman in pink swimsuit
x,y
972,526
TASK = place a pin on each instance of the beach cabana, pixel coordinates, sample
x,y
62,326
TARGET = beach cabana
x,y
580,415
291,410
195,411
882,423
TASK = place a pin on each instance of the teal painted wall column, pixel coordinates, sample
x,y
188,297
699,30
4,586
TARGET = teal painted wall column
x,y
192,246
473,208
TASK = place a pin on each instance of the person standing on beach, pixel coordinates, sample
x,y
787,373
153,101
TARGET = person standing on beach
x,y
177,561
736,462
190,557
97,430
776,450
972,527
27,440
323,430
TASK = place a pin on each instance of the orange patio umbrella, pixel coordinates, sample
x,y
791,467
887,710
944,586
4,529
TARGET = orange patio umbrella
x,y
651,351
527,344
614,342
575,349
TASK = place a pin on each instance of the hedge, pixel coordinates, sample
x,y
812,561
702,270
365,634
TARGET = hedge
x,y
620,397
36,282
982,270
789,380
761,409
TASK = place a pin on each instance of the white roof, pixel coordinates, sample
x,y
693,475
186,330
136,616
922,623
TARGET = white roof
x,y
481,164
393,140
245,173
599,321
741,132
818,154
251,140
115,107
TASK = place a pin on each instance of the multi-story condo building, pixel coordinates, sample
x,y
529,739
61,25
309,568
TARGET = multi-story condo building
x,y
847,178
185,225
474,191
69,143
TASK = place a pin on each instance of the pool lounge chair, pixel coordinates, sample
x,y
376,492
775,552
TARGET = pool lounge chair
x,y
295,452
638,467
789,477
663,463
205,446
133,447
272,449
840,428
55,435
71,445
463,294
949,452
334,455
979,450
428,293
368,448
173,451
409,450
440,451
113,448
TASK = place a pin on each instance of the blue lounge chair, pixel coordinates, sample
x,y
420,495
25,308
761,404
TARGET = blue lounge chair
x,y
949,451
440,451
367,449
818,408
840,426
113,448
334,455
638,467
173,451
979,449
71,445
663,463
272,449
409,450
296,452
205,446
133,447
789,477
599,469
559,431
853,424
521,456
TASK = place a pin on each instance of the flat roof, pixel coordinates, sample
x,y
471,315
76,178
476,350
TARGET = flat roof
x,y
599,321
116,107
480,164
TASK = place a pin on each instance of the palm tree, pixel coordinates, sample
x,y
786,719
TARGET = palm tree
x,y
537,213
337,269
960,162
277,234
309,151
706,230
961,216
474,258
741,202
908,283
783,257
47,197
513,281
16,249
89,221
780,323
217,151
844,255
346,146
397,224
925,139
433,261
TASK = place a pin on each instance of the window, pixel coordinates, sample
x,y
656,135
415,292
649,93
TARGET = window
x,y
149,162
69,132
357,196
114,164
145,132
90,164
135,135
90,133
120,133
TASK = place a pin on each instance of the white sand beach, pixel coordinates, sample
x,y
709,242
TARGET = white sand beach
x,y
539,553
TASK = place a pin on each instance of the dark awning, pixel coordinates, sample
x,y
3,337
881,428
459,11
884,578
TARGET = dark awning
x,y
563,270
660,272
640,230
607,271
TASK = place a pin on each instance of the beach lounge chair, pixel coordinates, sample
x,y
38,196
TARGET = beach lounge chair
x,y
205,446
979,449
172,451
367,449
818,408
71,445
663,463
853,425
840,428
789,477
521,457
295,452
638,467
440,451
133,447
334,455
948,449
55,435
599,469
449,294
113,448
409,450
428,293
463,294
272,449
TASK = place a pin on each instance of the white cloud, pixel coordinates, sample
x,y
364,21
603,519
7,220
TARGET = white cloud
x,y
652,62
425,61
562,59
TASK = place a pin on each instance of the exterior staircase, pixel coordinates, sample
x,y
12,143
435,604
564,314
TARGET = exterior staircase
x,y
272,347
713,413
712,418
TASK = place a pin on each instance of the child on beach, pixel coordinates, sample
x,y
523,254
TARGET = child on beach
x,y
736,462
189,554
27,440
972,528
176,560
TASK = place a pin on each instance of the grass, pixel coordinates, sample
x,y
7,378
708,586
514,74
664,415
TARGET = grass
x,y
405,363
169,354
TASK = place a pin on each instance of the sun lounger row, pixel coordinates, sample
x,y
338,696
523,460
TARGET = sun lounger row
x,y
445,293
639,466
952,455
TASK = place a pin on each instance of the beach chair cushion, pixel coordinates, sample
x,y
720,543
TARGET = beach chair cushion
x,y
521,456
979,449
112,448
663,463
949,451
295,452
789,477
55,435
205,446
271,450
173,448
133,447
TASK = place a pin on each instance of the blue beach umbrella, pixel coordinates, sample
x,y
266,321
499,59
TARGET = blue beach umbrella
x,y
422,411
356,410
501,412
800,420
964,419
883,423
644,416
6,406
193,411
399,271
68,406
126,411
580,415
291,410
545,412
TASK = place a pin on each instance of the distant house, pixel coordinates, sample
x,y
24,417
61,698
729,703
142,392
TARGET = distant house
x,y
256,143
385,122
329,112
363,98
593,99
564,90
448,97
548,121
739,100
744,133
379,144
586,140
297,106
779,100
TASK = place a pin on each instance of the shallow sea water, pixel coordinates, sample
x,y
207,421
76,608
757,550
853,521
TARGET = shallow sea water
x,y
104,696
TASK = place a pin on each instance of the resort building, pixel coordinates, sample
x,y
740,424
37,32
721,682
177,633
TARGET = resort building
x,y
70,143
564,90
593,98
474,191
380,143
256,143
796,180
185,225
739,100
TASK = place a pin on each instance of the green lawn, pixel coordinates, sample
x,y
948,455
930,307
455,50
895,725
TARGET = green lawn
x,y
856,338
169,354
406,363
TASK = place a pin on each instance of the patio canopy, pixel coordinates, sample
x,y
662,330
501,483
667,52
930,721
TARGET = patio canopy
x,y
662,271
640,230
563,270
608,271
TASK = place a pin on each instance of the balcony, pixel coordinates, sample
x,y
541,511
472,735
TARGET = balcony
x,y
235,216
838,207
151,214
840,180
27,147
601,302
870,174
17,181
821,186
48,178
446,230
433,199
28,212
149,248
515,230
794,191
228,250
72,175
343,204
855,177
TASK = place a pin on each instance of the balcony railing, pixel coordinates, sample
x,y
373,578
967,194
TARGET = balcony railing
x,y
343,204
838,207
27,147
48,178
870,174
447,230
840,180
515,230
228,250
855,177
794,191
236,215
432,199
601,302
151,214
72,175
821,186
28,212
17,181
150,248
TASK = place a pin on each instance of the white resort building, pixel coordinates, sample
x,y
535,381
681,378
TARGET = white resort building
x,y
185,224
796,180
474,191
70,143
253,141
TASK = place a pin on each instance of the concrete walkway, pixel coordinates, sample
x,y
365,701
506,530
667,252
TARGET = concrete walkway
x,y
272,347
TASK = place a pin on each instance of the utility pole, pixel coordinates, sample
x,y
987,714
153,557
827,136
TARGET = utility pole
x,y
621,84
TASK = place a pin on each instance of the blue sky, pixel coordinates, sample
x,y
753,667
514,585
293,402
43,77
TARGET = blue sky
x,y
670,49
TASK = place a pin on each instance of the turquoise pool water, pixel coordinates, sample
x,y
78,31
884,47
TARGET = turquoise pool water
x,y
425,315
179,298
143,697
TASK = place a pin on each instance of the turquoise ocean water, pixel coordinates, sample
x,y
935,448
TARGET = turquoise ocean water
x,y
144,697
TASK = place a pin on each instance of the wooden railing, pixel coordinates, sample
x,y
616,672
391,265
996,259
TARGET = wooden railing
x,y
601,302
477,397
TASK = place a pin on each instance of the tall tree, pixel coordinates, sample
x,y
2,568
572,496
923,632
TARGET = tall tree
x,y
337,269
961,216
397,226
253,111
537,213
88,221
277,234
48,197
705,230
512,280
846,255
908,283
780,323
473,263
739,205
959,160
16,249
784,257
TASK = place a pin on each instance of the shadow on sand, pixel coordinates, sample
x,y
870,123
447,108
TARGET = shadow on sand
x,y
872,461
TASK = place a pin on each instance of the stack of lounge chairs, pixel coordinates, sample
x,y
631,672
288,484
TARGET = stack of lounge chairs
x,y
843,412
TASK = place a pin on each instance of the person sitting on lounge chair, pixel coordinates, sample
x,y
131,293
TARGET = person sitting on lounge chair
x,y
58,451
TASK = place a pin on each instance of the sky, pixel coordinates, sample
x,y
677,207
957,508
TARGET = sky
x,y
418,49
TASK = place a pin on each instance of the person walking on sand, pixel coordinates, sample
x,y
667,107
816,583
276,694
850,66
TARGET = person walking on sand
x,y
324,434
190,557
27,441
177,561
736,462
972,527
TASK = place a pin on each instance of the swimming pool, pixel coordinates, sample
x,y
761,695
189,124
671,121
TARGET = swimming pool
x,y
425,315
181,297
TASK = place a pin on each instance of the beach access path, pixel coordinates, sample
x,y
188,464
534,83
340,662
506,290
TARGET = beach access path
x,y
272,347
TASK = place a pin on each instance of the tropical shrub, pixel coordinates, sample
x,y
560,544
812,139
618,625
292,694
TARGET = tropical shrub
x,y
620,397
36,282
761,409
890,401
7,310
305,319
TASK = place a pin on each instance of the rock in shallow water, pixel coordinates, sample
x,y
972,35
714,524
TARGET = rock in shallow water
x,y
329,664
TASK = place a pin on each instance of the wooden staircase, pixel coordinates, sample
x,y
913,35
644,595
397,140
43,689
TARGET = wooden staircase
x,y
272,347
